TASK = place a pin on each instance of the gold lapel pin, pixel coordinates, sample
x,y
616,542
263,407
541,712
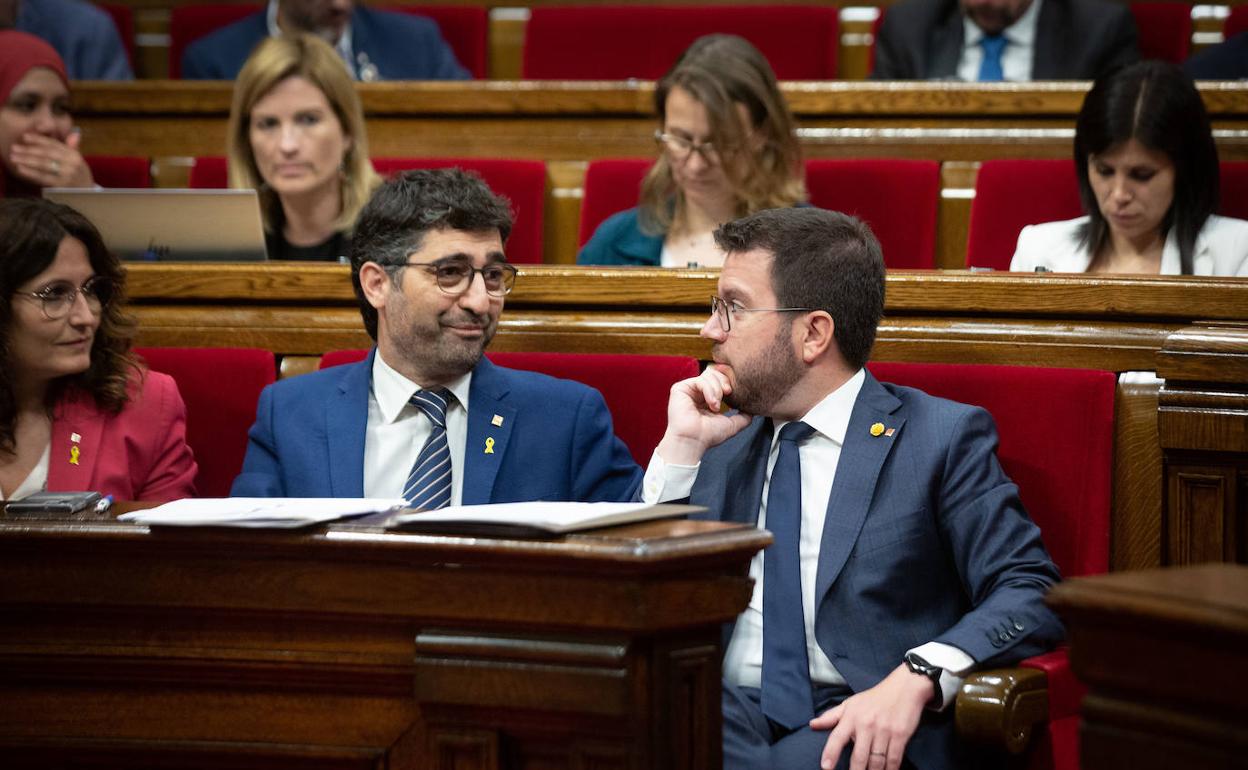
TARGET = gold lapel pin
x,y
497,422
877,429
74,451
489,445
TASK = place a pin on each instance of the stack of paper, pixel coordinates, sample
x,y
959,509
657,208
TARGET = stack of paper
x,y
260,512
538,519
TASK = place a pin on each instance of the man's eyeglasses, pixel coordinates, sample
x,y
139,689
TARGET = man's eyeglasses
x,y
454,277
57,298
724,310
680,147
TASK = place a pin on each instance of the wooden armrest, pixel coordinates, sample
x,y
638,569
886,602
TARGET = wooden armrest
x,y
1002,707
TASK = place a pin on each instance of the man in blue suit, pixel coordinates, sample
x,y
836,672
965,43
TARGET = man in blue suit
x,y
375,45
426,417
902,558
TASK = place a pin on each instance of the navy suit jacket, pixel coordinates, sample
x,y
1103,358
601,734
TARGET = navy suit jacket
x,y
399,45
925,540
1075,39
555,441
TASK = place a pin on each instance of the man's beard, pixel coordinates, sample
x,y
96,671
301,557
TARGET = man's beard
x,y
441,355
763,380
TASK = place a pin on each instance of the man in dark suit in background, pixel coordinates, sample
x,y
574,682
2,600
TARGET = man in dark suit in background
x,y
376,45
1016,40
903,558
426,416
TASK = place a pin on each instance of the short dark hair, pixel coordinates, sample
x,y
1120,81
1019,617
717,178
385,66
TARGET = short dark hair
x,y
821,259
31,231
1157,104
393,223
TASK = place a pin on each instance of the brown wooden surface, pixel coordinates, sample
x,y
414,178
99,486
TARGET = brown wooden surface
x,y
355,648
1162,652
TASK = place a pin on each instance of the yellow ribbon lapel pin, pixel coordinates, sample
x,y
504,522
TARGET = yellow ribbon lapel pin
x,y
489,445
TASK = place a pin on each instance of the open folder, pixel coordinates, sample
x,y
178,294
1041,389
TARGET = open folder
x,y
537,519
260,512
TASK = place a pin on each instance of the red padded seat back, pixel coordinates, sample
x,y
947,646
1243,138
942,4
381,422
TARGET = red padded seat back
x,y
221,387
1056,429
188,23
611,185
465,28
123,20
1236,21
604,42
1165,30
1010,194
635,387
897,198
120,170
1233,187
209,172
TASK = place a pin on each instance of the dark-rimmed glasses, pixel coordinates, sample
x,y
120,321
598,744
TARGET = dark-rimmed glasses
x,y
680,148
723,310
57,298
454,276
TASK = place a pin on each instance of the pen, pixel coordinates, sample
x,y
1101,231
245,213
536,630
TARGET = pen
x,y
104,504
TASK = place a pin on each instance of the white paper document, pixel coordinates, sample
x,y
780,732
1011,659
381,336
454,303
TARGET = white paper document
x,y
534,519
260,512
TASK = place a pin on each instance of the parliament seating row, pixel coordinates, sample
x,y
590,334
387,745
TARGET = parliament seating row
x,y
600,42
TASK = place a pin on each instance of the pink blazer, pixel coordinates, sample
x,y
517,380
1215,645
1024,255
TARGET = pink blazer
x,y
139,454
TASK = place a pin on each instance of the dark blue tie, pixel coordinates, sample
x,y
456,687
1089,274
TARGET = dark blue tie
x,y
786,694
990,67
429,484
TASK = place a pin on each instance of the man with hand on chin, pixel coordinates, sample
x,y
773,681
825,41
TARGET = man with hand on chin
x,y
426,416
902,558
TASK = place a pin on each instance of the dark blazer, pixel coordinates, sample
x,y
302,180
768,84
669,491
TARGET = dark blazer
x,y
1075,40
555,440
396,46
925,540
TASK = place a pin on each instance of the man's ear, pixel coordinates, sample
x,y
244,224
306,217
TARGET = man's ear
x,y
818,335
376,284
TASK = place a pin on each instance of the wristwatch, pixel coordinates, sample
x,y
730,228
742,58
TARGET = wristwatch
x,y
920,666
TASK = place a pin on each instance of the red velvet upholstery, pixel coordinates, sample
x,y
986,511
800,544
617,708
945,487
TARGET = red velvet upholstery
x,y
523,182
1010,194
634,387
220,387
120,170
123,19
611,185
1236,22
1165,30
1056,443
463,27
897,198
605,42
1234,186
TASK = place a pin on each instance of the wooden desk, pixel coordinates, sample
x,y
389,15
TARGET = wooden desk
x,y
1162,652
354,648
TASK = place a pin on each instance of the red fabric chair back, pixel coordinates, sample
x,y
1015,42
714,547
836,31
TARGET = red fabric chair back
x,y
1233,187
523,182
634,387
1010,194
123,19
1165,30
465,28
639,41
1236,21
611,185
221,387
188,23
120,170
897,198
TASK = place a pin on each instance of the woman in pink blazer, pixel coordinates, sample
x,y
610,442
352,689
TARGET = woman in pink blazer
x,y
77,412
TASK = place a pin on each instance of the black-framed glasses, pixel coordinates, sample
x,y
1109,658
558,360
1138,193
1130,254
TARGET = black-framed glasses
x,y
57,298
681,147
455,276
724,310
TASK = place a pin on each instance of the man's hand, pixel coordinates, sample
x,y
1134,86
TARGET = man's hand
x,y
50,162
878,721
694,421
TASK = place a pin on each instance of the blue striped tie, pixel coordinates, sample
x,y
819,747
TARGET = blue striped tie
x,y
429,484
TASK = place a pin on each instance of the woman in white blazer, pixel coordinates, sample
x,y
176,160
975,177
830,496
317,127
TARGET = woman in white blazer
x,y
1148,178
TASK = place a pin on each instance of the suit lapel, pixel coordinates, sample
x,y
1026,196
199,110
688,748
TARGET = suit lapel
x,y
946,49
490,422
77,430
346,424
862,457
1046,63
743,491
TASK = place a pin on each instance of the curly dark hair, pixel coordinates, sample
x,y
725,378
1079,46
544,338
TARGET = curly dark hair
x,y
31,231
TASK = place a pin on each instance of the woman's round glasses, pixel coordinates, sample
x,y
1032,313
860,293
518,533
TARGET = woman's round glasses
x,y
57,298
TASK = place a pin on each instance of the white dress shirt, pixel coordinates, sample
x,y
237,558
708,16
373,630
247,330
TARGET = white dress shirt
x,y
743,661
36,480
397,431
1016,58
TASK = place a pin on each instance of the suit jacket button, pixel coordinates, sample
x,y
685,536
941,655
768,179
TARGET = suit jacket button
x,y
1018,626
1004,637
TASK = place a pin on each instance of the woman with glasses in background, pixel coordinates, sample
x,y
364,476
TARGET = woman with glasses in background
x,y
727,149
77,411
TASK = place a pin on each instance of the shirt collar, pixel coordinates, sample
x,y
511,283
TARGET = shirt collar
x,y
830,417
392,390
1021,32
343,46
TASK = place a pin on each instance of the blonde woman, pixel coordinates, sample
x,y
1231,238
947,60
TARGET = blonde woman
x,y
727,149
297,135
